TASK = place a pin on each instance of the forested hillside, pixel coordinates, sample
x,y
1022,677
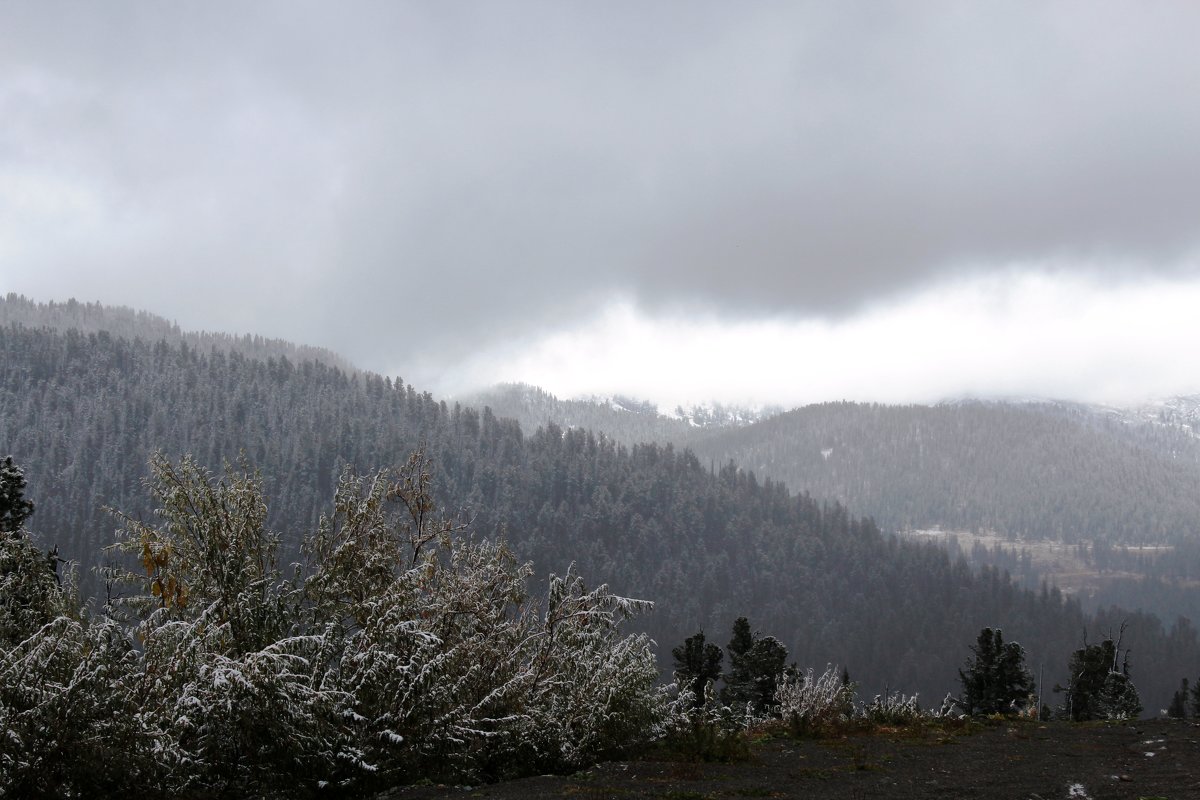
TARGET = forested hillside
x,y
132,324
83,412
1033,471
629,424
623,419
1106,481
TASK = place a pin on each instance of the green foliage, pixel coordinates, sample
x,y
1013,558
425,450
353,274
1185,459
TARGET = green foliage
x,y
995,680
707,741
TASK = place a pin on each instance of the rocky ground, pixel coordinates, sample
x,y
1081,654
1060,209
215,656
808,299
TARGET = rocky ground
x,y
1021,760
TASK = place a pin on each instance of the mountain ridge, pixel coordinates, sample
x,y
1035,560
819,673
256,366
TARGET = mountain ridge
x,y
706,541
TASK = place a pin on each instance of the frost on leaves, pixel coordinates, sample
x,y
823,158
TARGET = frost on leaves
x,y
401,648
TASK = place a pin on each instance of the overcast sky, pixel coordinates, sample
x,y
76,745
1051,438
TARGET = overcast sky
x,y
746,202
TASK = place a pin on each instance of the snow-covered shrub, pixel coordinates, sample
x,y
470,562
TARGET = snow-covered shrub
x,y
30,594
710,731
892,708
260,723
453,667
67,726
210,558
951,708
590,691
64,717
809,702
402,649
234,693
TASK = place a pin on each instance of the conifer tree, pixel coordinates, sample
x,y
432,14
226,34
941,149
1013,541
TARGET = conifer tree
x,y
739,685
1179,701
698,665
995,680
14,508
765,662
30,594
755,664
1099,686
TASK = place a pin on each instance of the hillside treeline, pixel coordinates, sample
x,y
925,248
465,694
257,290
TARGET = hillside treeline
x,y
1026,471
83,414
1040,471
16,309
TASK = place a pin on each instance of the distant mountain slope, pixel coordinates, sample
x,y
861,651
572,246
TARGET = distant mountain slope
x,y
131,324
629,423
80,413
623,419
1039,470
1175,414
1031,470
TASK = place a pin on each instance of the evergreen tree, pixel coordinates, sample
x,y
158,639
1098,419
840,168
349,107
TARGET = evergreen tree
x,y
1099,686
1196,698
14,508
1179,701
739,684
697,664
765,664
995,680
30,592
755,664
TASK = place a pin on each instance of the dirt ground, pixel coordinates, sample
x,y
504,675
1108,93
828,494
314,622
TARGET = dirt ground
x,y
1025,761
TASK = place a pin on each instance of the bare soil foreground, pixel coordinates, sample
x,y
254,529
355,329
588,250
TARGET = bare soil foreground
x,y
1023,760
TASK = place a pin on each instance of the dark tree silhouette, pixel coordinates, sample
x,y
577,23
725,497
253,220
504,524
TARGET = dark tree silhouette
x,y
698,664
995,680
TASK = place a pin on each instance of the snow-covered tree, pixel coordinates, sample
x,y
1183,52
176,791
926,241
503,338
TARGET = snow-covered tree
x,y
234,691
451,665
14,508
69,726
755,664
30,593
65,724
402,648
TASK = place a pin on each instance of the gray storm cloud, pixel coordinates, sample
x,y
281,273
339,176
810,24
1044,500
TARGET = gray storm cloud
x,y
428,178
